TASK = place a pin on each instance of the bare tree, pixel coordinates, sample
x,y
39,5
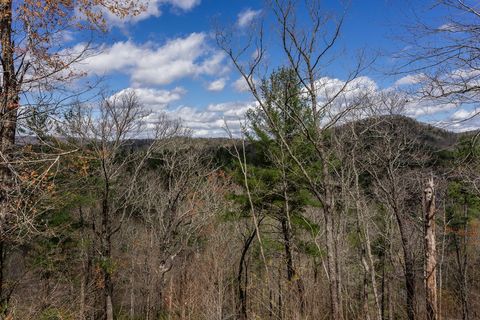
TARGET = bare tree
x,y
430,251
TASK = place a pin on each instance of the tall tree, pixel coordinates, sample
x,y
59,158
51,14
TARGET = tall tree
x,y
430,251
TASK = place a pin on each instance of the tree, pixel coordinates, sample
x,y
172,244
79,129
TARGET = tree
x,y
430,250
284,187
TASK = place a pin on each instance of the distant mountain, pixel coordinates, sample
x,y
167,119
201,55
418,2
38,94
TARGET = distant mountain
x,y
423,133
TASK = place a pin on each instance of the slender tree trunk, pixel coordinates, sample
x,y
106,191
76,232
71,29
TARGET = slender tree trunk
x,y
367,256
409,268
462,263
9,99
334,281
383,291
430,252
132,292
292,275
332,267
3,298
242,291
107,253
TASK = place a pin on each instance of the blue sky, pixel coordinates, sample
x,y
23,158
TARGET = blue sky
x,y
168,55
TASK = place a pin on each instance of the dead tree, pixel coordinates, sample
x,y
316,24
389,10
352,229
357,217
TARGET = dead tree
x,y
430,251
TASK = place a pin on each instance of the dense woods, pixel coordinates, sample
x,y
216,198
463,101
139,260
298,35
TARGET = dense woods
x,y
329,203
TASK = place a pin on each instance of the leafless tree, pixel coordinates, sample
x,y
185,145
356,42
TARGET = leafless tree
x,y
430,251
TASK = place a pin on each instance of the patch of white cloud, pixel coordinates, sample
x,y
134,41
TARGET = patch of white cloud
x,y
463,114
241,85
246,17
150,64
150,8
156,99
217,85
416,109
214,119
410,79
450,27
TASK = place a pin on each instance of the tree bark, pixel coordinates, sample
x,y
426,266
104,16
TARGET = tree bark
x,y
430,251
242,291
332,258
107,250
9,97
9,100
409,270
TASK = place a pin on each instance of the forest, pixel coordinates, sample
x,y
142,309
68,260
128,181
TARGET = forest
x,y
328,202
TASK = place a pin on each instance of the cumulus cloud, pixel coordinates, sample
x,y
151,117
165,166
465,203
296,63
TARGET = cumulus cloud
x,y
417,109
150,64
241,85
409,80
246,17
464,119
155,99
211,121
463,114
217,85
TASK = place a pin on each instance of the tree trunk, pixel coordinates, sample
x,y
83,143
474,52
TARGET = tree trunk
x,y
9,99
462,263
430,252
409,267
107,252
334,281
332,267
242,291
292,276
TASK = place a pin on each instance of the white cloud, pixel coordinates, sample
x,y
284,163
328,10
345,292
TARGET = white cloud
x,y
150,64
207,122
463,115
452,27
417,109
155,99
217,85
181,4
246,17
211,121
241,85
151,8
409,80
